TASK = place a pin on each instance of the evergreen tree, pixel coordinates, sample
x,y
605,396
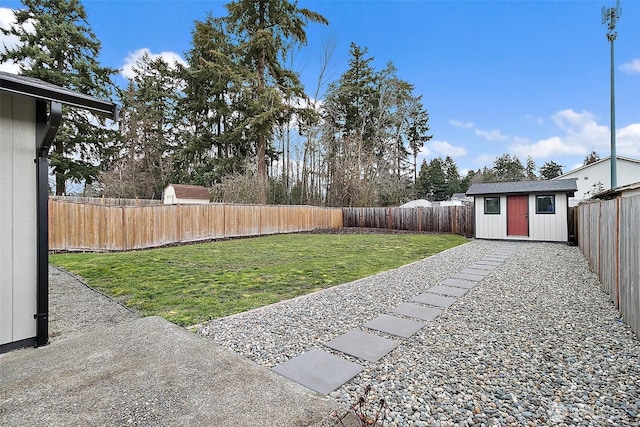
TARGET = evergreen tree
x,y
148,132
550,170
211,147
452,176
62,50
265,31
591,158
530,169
508,168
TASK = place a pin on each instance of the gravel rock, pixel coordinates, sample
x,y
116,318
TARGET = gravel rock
x,y
538,342
75,308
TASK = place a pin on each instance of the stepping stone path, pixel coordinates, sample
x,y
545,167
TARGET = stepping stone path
x,y
324,372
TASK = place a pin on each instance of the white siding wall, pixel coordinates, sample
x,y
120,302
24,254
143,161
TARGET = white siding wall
x,y
549,227
18,260
169,196
491,226
542,227
628,172
192,201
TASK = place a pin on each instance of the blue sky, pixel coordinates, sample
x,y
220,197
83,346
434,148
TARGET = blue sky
x,y
517,77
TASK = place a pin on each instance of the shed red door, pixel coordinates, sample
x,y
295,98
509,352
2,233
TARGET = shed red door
x,y
518,215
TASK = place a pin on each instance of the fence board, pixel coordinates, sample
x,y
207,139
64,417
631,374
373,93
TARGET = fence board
x,y
608,237
444,219
114,227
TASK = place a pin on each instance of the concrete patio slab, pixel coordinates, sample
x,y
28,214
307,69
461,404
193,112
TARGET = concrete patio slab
x,y
458,283
434,299
448,290
417,311
318,370
395,325
363,345
149,372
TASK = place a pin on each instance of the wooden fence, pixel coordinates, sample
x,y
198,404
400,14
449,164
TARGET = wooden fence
x,y
107,201
608,235
444,219
95,227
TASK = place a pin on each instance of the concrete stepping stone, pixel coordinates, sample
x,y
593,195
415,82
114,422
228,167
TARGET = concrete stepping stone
x,y
458,283
468,277
492,263
417,311
448,290
318,370
363,345
475,271
434,299
493,258
484,267
395,325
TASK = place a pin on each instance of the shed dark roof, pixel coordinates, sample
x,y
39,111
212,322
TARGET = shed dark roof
x,y
184,191
39,89
555,186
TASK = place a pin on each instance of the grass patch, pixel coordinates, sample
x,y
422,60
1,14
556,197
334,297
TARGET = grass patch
x,y
194,283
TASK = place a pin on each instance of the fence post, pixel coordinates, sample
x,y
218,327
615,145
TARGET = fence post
x,y
455,220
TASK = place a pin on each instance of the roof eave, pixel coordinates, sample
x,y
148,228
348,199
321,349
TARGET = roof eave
x,y
56,94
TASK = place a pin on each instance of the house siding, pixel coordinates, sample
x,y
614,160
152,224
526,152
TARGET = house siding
x,y
18,221
587,177
542,227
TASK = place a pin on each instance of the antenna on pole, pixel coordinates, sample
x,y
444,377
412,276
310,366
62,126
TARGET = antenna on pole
x,y
609,17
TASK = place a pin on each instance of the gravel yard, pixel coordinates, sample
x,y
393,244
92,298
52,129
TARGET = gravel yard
x,y
536,343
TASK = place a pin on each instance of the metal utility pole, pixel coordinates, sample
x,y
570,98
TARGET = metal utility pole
x,y
609,17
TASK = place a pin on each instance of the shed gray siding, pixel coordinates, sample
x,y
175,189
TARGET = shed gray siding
x,y
18,256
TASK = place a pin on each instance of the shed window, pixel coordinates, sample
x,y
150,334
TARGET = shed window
x,y
492,205
546,204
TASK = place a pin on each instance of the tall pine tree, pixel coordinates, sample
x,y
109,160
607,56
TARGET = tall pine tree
x,y
265,31
62,50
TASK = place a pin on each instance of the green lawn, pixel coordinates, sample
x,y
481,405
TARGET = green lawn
x,y
194,283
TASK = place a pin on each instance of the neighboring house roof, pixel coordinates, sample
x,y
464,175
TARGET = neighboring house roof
x,y
49,92
615,192
605,159
458,196
184,191
554,186
417,203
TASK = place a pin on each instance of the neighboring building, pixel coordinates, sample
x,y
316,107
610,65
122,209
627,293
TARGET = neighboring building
x,y
524,210
462,197
623,191
418,203
30,113
185,194
596,177
445,203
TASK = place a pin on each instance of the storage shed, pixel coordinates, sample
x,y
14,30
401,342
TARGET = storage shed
x,y
30,113
185,194
524,210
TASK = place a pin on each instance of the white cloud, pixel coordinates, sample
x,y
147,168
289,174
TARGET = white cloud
x,y
632,67
533,119
461,124
628,141
446,149
7,19
484,160
131,60
492,135
580,134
